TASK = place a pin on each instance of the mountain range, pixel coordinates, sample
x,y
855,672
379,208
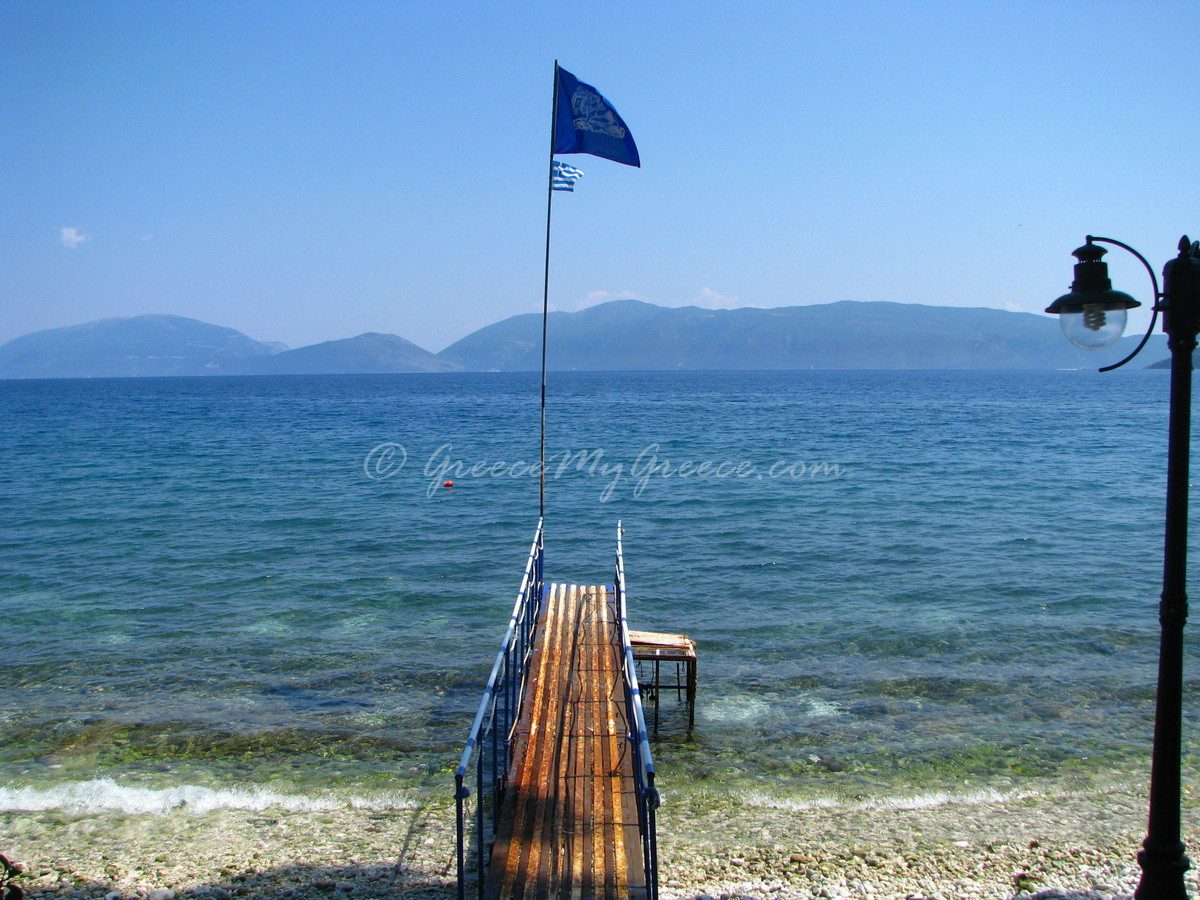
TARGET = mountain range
x,y
619,335
368,354
138,346
633,335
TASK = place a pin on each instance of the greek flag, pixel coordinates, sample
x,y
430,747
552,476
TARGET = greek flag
x,y
565,176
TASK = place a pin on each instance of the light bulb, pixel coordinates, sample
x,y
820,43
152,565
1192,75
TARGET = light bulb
x,y
1093,317
1094,327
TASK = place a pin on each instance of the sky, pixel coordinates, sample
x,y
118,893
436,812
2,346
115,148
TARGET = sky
x,y
310,171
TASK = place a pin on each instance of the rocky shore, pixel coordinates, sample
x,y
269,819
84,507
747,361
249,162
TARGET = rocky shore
x,y
1047,846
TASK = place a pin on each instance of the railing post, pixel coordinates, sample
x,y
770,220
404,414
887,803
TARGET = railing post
x,y
460,795
508,703
479,832
652,835
495,754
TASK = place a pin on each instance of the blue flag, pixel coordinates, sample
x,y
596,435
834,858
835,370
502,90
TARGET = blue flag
x,y
587,123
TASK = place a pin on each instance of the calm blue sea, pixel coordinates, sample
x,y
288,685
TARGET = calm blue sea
x,y
952,585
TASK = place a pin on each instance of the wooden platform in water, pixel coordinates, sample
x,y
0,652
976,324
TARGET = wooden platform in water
x,y
568,823
657,648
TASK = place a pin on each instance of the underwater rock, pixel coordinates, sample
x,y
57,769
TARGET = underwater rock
x,y
870,709
829,765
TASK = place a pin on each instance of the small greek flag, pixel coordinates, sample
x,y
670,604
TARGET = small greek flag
x,y
565,177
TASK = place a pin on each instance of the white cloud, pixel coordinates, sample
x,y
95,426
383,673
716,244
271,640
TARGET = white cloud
x,y
71,238
710,299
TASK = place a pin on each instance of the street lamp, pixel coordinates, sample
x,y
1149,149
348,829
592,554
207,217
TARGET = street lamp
x,y
1093,316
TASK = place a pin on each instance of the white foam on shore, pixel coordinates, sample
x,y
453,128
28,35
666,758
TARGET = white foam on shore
x,y
102,795
917,801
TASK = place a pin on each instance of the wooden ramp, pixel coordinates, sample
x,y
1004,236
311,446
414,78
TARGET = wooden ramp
x,y
568,824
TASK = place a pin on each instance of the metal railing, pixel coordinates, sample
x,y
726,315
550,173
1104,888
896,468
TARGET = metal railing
x,y
489,746
643,762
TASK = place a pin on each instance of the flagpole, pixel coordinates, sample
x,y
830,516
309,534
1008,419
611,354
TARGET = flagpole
x,y
546,297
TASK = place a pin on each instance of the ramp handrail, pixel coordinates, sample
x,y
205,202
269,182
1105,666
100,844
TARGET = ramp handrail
x,y
643,761
489,745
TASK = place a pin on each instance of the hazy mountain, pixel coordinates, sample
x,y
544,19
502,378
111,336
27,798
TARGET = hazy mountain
x,y
621,335
366,354
632,335
141,345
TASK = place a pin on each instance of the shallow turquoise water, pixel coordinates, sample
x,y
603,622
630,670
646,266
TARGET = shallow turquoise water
x,y
200,584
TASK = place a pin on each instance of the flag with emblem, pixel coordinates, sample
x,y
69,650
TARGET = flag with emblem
x,y
584,122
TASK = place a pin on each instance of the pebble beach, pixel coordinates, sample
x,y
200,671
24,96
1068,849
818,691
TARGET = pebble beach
x,y
1041,846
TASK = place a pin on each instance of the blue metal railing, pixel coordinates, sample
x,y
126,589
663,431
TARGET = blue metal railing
x,y
489,746
643,762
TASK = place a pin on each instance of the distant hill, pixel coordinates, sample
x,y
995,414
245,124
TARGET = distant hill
x,y
173,345
633,335
369,353
141,345
621,335
1161,364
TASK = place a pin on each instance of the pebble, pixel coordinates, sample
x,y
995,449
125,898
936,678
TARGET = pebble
x,y
708,849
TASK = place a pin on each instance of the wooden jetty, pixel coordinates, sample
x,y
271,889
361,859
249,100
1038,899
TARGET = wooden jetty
x,y
568,821
555,792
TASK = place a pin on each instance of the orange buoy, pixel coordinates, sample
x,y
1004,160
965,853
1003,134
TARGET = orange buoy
x,y
447,484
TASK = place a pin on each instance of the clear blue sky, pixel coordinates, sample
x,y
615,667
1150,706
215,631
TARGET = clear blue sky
x,y
310,171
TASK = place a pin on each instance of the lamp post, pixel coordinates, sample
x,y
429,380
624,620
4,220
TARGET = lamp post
x,y
1093,316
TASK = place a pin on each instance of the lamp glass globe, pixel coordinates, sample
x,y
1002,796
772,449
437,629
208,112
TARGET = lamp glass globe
x,y
1094,327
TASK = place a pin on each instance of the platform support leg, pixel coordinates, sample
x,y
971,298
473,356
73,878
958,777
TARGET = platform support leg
x,y
657,691
691,694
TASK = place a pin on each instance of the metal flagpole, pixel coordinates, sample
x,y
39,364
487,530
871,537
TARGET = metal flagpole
x,y
546,297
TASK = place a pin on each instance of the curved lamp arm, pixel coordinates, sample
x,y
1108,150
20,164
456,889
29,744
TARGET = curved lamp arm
x,y
1157,296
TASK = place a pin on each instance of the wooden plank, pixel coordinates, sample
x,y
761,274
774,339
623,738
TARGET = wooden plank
x,y
588,825
543,729
604,741
616,738
580,802
599,773
519,810
537,874
549,874
655,639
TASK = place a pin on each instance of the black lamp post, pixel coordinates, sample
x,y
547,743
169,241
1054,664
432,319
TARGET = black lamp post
x,y
1093,316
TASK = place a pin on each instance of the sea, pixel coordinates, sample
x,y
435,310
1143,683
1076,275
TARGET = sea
x,y
905,587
